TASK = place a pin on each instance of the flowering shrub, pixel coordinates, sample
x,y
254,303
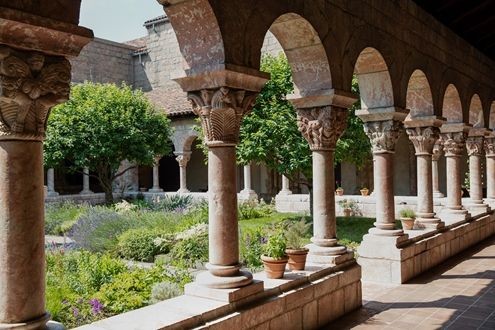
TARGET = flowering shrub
x,y
60,217
163,291
191,248
251,245
173,203
142,244
124,207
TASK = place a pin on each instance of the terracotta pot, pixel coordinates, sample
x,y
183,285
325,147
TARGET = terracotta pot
x,y
364,192
339,191
407,223
297,258
347,212
274,268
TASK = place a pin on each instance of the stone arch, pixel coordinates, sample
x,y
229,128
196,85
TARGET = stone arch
x,y
375,83
452,105
419,99
476,112
491,123
198,34
305,53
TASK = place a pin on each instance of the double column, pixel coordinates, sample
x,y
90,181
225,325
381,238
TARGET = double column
x,y
423,139
221,109
474,147
322,126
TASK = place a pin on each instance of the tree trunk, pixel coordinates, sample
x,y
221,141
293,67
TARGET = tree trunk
x,y
108,196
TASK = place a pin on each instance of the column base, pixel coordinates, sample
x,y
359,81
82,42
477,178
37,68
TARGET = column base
x,y
86,192
284,192
477,208
183,191
430,223
157,190
328,255
454,215
386,232
490,202
438,194
38,323
248,195
207,279
52,194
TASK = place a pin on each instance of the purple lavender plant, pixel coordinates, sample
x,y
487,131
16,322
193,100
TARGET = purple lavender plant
x,y
96,306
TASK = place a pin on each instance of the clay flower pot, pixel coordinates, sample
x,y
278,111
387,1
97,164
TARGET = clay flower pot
x,y
274,268
407,223
364,192
347,212
297,258
339,191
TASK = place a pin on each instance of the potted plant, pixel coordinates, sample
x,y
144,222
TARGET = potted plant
x,y
364,191
274,257
339,191
349,207
407,217
295,245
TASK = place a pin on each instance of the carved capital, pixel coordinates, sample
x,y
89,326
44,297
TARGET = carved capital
x,y
221,111
183,159
453,143
474,146
383,135
322,126
489,146
423,139
437,150
30,85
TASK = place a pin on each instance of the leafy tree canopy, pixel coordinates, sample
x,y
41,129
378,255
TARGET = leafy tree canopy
x,y
102,125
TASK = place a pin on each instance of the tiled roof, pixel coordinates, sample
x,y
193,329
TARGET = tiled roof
x,y
170,99
139,42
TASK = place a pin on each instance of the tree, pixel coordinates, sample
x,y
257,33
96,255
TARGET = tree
x,y
102,125
269,133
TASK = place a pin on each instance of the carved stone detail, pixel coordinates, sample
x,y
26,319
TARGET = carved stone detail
x,y
489,146
474,145
322,126
437,150
221,112
183,159
453,143
30,85
383,135
423,139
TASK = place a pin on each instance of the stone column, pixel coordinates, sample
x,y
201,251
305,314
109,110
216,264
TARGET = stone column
x,y
474,147
437,152
489,146
183,158
322,127
247,193
50,182
86,189
383,136
26,98
453,146
423,139
156,176
285,186
221,111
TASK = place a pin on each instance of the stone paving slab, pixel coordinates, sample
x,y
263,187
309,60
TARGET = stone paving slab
x,y
459,294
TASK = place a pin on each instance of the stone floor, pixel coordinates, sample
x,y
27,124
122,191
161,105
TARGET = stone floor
x,y
459,294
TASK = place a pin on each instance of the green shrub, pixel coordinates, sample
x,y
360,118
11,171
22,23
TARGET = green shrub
x,y
296,233
142,244
59,218
253,209
192,246
163,291
276,245
251,246
174,203
407,213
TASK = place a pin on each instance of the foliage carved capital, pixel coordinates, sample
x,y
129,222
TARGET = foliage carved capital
x,y
474,145
183,159
30,85
383,135
221,111
453,143
437,150
489,146
322,126
423,139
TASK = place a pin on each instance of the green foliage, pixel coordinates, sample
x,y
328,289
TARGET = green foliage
x,y
276,245
251,247
102,125
350,204
253,209
407,213
142,244
59,218
296,233
190,251
174,203
163,291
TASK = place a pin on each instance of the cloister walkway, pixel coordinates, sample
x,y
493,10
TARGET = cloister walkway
x,y
458,294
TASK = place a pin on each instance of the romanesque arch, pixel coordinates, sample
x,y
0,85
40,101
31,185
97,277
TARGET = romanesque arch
x,y
491,124
476,112
452,106
419,99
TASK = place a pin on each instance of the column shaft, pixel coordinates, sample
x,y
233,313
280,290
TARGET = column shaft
x,y
454,194
475,184
434,178
183,179
50,182
383,176
86,188
324,223
247,177
22,248
425,191
490,176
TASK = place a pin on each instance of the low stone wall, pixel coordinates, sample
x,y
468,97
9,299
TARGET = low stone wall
x,y
308,299
396,260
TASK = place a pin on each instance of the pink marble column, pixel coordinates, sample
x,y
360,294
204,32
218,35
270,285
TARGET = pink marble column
x,y
423,139
474,147
453,145
221,111
26,101
322,127
437,153
383,136
489,146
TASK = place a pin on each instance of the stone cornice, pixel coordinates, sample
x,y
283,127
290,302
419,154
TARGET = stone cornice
x,y
383,135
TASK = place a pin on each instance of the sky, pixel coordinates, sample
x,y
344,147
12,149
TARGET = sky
x,y
118,20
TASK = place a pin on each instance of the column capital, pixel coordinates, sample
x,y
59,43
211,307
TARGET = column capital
x,y
437,149
489,146
474,145
453,143
221,111
31,84
423,139
322,126
183,158
383,135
